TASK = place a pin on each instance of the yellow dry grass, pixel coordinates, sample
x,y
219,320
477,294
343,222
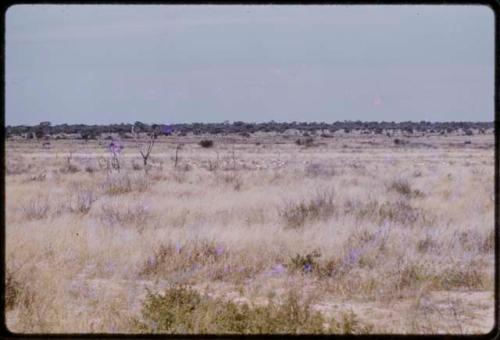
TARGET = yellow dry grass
x,y
402,236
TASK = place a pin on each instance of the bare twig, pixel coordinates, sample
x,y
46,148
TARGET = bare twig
x,y
146,151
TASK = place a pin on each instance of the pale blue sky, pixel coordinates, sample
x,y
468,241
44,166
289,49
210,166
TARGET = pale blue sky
x,y
98,64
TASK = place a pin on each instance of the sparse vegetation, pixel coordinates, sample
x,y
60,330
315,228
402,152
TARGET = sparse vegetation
x,y
256,235
320,206
206,143
182,310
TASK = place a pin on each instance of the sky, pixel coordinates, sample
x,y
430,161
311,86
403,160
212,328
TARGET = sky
x,y
101,64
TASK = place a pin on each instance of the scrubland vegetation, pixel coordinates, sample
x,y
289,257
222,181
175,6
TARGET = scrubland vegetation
x,y
259,234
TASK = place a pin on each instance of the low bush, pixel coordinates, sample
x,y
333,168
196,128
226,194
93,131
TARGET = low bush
x,y
118,184
320,170
184,311
206,143
295,214
404,188
117,214
36,208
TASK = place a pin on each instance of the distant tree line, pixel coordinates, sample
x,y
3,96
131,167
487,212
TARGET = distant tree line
x,y
47,130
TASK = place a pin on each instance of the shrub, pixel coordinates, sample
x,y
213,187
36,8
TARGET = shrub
x,y
81,200
89,169
206,143
488,244
307,142
183,310
122,184
136,166
115,214
17,168
235,181
38,178
319,207
319,170
116,185
69,168
427,244
411,275
400,212
398,141
464,275
172,257
12,291
36,208
403,187
307,263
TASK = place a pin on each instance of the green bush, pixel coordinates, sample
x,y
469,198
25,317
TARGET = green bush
x,y
184,311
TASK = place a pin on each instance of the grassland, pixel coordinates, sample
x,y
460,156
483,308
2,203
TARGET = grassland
x,y
355,233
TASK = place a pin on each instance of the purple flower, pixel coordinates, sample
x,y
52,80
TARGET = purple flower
x,y
308,268
353,256
219,250
278,269
178,248
151,261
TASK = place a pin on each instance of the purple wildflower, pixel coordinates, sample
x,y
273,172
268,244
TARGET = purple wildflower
x,y
151,261
308,268
278,269
353,256
219,250
178,248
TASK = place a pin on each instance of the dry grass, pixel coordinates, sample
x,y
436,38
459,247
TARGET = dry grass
x,y
355,224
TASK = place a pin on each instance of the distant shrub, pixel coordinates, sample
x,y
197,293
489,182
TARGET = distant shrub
x,y
121,184
206,143
234,180
89,169
136,167
320,170
402,212
183,310
17,168
296,214
173,257
81,199
398,141
69,168
426,244
403,187
411,275
41,177
36,208
464,275
307,142
488,244
117,214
